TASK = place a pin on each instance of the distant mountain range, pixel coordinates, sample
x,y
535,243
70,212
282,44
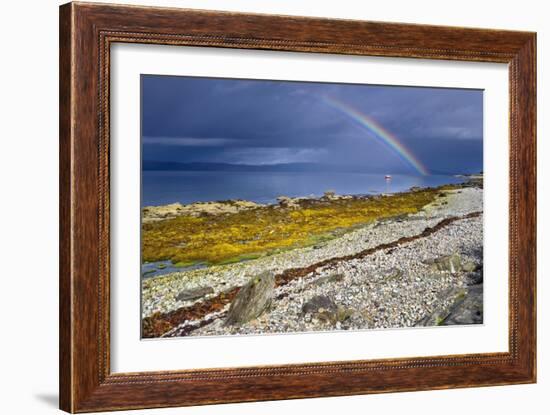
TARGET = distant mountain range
x,y
283,167
200,166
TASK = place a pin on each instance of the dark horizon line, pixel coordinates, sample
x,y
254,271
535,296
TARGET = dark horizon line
x,y
155,165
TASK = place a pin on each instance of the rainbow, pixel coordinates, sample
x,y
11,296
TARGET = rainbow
x,y
379,132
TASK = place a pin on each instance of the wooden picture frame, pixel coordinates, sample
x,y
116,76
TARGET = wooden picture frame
x,y
86,33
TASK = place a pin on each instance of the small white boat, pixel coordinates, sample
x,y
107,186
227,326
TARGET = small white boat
x,y
387,177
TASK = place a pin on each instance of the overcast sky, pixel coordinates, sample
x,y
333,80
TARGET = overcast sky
x,y
187,119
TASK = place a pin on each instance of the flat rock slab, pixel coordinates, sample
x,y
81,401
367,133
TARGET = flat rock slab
x,y
194,293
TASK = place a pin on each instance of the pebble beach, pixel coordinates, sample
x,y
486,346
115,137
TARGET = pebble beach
x,y
420,269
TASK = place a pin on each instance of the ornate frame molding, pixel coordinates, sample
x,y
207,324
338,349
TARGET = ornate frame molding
x,y
86,33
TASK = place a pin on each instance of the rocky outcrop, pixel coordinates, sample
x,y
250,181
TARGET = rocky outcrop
x,y
252,299
329,195
474,278
448,263
299,202
157,213
451,263
468,309
469,266
288,202
475,180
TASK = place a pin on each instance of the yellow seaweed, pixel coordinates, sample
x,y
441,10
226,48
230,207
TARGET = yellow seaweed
x,y
226,238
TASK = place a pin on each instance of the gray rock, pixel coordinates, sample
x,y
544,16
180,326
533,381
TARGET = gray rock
x,y
329,194
325,310
288,202
342,314
452,263
469,266
448,263
474,278
319,303
329,278
438,316
252,299
469,310
194,293
392,274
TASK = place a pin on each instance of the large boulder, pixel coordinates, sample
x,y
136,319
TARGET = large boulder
x,y
252,299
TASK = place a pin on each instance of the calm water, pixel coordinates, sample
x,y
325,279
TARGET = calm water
x,y
154,269
163,187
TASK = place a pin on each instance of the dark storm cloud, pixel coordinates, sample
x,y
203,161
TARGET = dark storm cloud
x,y
188,119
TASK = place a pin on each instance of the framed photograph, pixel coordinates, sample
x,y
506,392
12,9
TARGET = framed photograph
x,y
259,207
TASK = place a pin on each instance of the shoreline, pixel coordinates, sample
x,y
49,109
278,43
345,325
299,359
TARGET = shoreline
x,y
177,238
201,312
157,193
153,213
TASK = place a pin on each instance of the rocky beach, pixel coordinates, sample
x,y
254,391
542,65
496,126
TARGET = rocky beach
x,y
337,262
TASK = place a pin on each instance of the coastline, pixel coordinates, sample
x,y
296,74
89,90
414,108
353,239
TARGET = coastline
x,y
222,232
382,274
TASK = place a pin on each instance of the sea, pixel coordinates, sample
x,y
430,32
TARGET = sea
x,y
165,187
